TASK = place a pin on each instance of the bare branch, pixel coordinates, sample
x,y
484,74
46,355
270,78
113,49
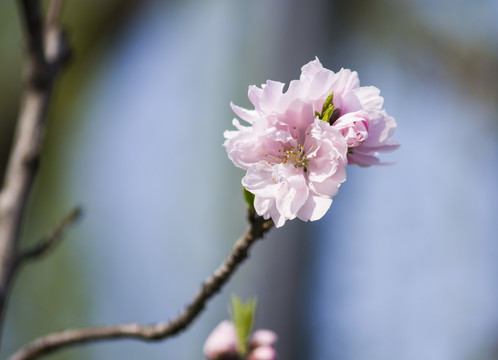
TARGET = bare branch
x,y
159,331
49,241
36,70
42,65
53,13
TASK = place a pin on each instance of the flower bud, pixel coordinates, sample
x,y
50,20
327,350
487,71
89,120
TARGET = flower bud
x,y
263,338
354,127
222,342
263,353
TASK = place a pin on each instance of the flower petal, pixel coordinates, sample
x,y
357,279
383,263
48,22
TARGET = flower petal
x,y
248,115
314,208
265,98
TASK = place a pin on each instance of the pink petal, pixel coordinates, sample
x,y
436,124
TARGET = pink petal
x,y
243,148
369,98
353,127
259,180
345,81
330,186
267,97
248,115
263,353
309,70
293,193
263,337
221,341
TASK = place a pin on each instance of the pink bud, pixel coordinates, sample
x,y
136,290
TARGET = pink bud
x,y
263,353
222,342
354,127
263,338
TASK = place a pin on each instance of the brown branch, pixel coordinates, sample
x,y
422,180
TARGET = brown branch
x,y
36,69
43,62
56,341
49,241
53,13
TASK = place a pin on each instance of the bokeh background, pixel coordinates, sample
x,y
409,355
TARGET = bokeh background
x,y
404,265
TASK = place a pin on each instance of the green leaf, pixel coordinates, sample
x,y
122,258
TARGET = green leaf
x,y
243,315
328,103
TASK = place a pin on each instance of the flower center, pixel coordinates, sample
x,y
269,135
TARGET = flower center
x,y
297,156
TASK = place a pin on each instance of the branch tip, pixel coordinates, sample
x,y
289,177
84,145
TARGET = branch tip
x,y
49,241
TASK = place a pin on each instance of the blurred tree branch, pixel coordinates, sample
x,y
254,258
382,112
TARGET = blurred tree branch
x,y
89,29
56,341
46,51
50,240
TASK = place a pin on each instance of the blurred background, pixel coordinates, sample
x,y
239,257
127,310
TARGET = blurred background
x,y
404,265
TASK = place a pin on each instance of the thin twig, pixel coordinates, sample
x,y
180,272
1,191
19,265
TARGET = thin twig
x,y
49,241
159,331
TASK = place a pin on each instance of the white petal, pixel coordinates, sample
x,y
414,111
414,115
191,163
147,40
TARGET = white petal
x,y
277,218
292,195
314,208
263,205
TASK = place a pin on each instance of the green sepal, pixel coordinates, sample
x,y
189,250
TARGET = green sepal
x,y
328,113
327,108
249,198
243,316
328,103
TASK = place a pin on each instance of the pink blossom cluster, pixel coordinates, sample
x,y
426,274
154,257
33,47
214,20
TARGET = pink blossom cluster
x,y
298,142
222,344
